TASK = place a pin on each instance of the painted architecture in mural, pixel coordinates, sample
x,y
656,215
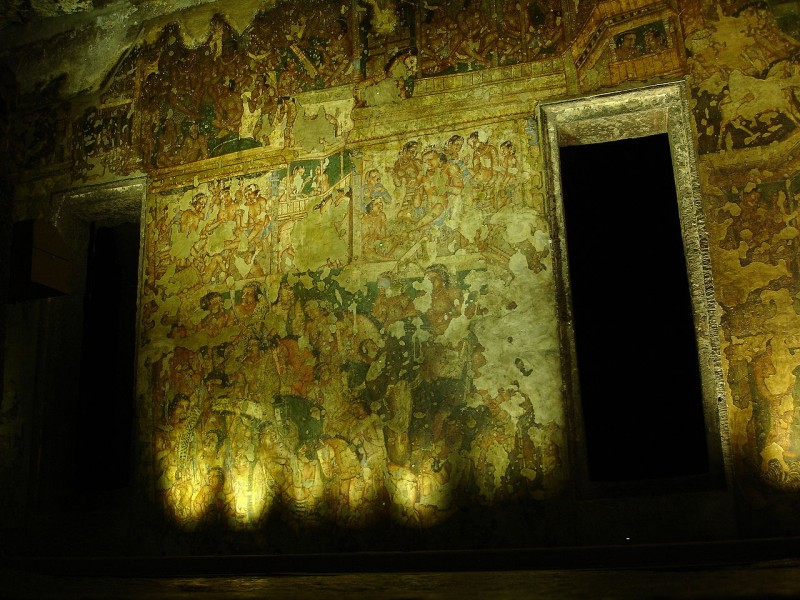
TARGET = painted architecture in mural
x,y
348,306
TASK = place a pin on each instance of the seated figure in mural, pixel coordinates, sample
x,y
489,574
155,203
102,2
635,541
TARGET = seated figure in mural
x,y
477,39
393,85
374,189
194,146
407,174
336,63
217,318
438,43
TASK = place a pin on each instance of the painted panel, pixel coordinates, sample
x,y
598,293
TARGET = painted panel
x,y
458,36
744,82
351,339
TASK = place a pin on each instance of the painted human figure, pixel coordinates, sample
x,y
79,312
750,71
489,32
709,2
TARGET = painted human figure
x,y
446,300
299,180
764,401
194,146
484,165
654,41
432,202
285,116
320,182
191,225
627,47
407,173
212,501
183,376
374,189
391,304
193,218
217,318
439,41
218,232
257,225
509,174
457,174
365,433
477,38
229,209
249,302
374,232
336,59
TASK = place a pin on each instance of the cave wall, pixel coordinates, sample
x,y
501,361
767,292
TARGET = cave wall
x,y
348,313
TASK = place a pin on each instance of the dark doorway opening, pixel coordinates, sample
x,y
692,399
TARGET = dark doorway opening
x,y
637,360
108,358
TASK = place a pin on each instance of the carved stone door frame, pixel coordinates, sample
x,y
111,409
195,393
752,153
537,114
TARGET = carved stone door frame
x,y
645,111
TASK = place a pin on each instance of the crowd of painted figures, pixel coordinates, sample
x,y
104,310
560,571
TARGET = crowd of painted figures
x,y
228,230
446,193
463,36
283,380
169,103
238,92
336,396
340,406
445,199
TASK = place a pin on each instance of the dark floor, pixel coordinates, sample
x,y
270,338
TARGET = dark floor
x,y
763,580
756,569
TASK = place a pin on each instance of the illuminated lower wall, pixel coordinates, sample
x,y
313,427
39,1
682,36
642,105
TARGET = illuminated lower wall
x,y
354,341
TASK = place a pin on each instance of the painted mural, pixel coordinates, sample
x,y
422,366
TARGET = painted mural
x,y
755,228
352,333
168,102
458,36
352,353
237,92
744,70
744,74
172,100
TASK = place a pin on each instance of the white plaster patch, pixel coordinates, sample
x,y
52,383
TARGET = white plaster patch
x,y
423,303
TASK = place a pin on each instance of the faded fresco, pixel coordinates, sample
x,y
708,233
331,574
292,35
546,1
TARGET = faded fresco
x,y
290,77
169,102
352,352
460,35
744,74
237,92
348,329
756,229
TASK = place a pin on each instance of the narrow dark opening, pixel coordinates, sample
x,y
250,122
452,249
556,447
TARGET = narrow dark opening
x,y
637,360
107,358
